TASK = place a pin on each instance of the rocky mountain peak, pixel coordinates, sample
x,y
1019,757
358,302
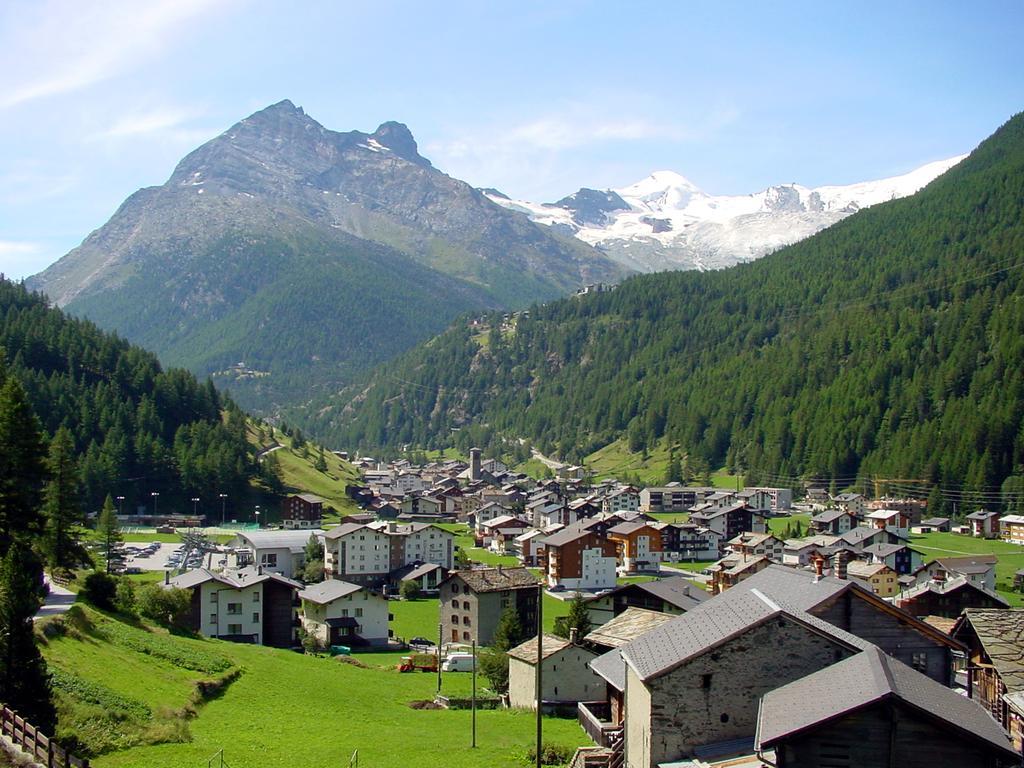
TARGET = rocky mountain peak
x,y
398,138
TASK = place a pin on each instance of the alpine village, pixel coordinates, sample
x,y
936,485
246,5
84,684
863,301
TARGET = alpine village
x,y
316,455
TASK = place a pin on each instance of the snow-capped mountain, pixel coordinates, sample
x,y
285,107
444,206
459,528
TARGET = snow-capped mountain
x,y
667,222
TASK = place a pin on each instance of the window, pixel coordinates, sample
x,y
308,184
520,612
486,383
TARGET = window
x,y
269,560
705,681
255,597
344,612
465,636
455,589
455,619
213,596
234,609
455,604
919,661
465,620
234,629
465,605
213,618
359,613
255,618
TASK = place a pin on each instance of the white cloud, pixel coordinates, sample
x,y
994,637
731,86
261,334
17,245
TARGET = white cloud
x,y
163,123
60,46
15,248
533,157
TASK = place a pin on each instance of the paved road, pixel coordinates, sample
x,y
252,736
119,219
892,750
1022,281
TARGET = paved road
x,y
58,601
550,463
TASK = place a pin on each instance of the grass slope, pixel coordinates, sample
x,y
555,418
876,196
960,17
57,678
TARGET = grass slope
x,y
1010,556
300,475
285,709
616,460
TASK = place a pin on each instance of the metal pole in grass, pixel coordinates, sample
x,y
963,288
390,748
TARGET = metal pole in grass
x,y
540,663
474,694
440,630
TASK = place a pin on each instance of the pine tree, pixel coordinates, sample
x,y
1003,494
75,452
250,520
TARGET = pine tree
x,y
109,531
22,468
674,473
494,661
61,543
24,681
578,618
321,463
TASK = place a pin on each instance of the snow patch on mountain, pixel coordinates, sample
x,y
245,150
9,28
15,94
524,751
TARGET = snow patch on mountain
x,y
667,222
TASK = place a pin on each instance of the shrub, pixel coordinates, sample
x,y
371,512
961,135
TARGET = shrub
x,y
169,606
125,598
410,590
100,589
550,754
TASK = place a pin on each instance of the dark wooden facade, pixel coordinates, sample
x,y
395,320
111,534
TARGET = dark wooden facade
x,y
279,616
888,733
900,635
949,604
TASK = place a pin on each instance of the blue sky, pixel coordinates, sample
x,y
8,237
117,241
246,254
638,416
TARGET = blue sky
x,y
100,98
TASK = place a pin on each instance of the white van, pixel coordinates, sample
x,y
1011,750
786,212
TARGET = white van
x,y
457,662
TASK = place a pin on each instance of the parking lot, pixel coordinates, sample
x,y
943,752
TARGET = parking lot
x,y
158,556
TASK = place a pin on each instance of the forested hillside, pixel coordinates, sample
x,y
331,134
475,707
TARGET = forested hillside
x,y
890,344
136,428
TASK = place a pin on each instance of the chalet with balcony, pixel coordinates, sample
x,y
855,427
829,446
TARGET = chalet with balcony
x,y
580,558
340,613
302,510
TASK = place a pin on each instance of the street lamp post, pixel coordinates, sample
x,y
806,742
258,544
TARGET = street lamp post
x,y
257,515
156,498
223,502
195,506
120,506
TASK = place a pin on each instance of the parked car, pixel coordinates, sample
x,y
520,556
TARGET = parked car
x,y
421,644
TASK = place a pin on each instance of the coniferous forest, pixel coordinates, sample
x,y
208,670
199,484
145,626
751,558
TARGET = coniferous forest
x,y
889,345
134,428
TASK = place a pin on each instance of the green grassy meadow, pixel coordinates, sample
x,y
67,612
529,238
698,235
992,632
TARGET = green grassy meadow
x,y
284,709
616,460
1010,556
300,474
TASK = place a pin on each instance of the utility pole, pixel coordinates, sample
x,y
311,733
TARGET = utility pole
x,y
540,664
440,630
474,695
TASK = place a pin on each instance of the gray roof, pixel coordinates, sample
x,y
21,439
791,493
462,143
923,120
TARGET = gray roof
x,y
235,579
567,535
862,680
712,623
935,522
860,534
295,540
312,498
981,514
343,530
612,668
678,591
624,529
328,591
829,515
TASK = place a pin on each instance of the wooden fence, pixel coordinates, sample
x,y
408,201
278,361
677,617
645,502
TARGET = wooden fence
x,y
41,747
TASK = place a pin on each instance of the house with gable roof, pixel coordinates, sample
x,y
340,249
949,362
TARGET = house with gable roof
x,y
872,710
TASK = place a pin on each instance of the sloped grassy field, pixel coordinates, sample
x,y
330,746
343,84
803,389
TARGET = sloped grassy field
x,y
132,693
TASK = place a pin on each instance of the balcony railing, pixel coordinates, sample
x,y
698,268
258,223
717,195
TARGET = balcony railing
x,y
595,718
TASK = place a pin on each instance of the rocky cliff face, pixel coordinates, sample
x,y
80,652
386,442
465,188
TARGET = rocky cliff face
x,y
206,268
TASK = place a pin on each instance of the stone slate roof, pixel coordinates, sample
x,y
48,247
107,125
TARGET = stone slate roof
x,y
496,579
627,626
860,681
1001,632
552,644
311,498
946,588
